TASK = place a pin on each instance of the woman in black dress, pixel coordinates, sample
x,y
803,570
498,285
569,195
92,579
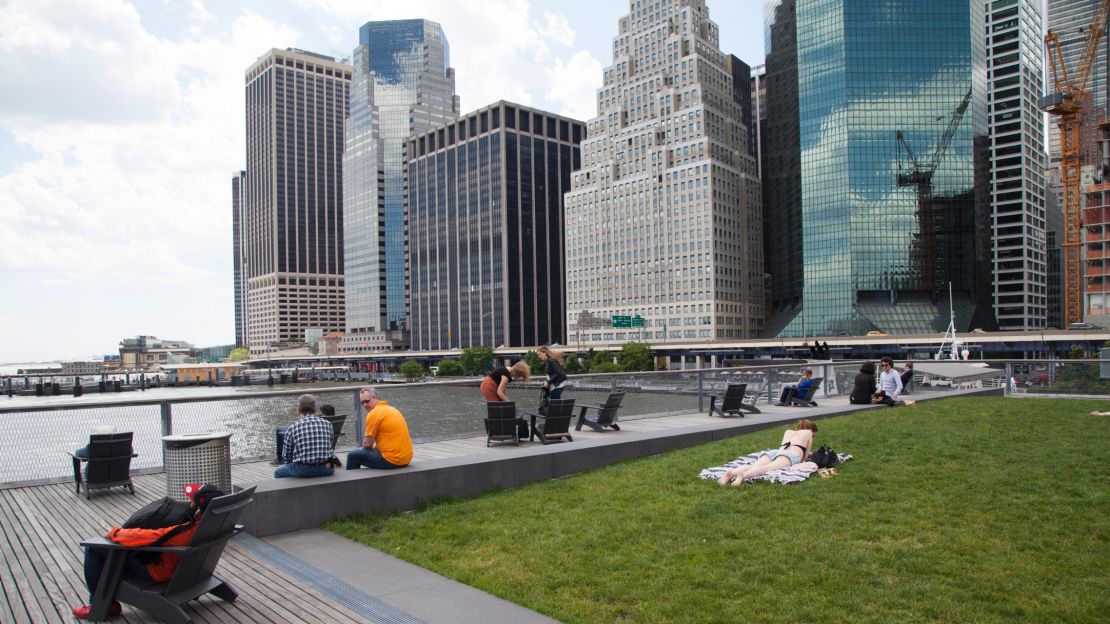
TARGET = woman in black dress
x,y
864,387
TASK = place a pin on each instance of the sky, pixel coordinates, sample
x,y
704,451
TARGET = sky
x,y
122,123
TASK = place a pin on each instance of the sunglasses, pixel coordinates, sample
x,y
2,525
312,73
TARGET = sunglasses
x,y
365,401
886,365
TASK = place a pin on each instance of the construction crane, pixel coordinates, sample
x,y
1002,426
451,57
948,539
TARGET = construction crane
x,y
920,175
1069,102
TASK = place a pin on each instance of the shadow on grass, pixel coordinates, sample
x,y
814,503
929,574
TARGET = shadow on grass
x,y
966,509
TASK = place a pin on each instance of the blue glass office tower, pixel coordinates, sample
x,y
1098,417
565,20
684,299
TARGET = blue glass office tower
x,y
890,201
403,85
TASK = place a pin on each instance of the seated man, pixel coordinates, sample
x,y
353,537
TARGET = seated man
x,y
307,451
160,569
798,389
387,443
279,433
890,384
907,377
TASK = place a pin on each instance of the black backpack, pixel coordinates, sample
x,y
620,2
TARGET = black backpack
x,y
159,514
824,457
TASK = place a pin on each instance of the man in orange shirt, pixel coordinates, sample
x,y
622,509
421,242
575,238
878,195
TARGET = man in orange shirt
x,y
161,568
387,443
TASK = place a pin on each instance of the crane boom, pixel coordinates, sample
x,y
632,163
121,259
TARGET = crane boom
x,y
1068,102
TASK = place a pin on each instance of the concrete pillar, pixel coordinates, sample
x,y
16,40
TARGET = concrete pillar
x,y
697,362
713,361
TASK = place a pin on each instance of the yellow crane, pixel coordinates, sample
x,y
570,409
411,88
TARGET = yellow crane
x,y
1068,101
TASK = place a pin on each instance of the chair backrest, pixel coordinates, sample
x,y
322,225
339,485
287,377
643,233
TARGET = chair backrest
x,y
216,526
734,396
501,418
337,423
109,457
559,412
608,412
812,389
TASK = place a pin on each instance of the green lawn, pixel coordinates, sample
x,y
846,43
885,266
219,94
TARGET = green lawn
x,y
979,509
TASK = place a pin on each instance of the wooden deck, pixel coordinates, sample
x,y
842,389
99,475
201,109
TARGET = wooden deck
x,y
41,575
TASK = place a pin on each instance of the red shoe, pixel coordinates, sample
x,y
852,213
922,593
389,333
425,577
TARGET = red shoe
x,y
82,612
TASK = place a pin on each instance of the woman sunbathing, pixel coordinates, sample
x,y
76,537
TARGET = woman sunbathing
x,y
794,449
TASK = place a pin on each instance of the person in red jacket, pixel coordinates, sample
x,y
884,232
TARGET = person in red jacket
x,y
160,569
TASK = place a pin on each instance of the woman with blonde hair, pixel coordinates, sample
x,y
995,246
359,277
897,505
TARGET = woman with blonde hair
x,y
553,367
795,448
493,386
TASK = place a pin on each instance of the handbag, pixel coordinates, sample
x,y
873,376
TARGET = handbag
x,y
542,409
824,457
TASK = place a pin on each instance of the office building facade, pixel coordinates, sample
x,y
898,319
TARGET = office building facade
x,y
238,187
663,222
403,85
1018,160
486,228
892,181
291,224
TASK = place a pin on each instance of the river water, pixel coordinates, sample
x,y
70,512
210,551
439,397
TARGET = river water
x,y
36,443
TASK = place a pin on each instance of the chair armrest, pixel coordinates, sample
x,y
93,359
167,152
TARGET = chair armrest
x,y
586,406
76,456
107,544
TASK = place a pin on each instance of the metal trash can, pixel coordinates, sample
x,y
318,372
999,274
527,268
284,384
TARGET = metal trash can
x,y
196,458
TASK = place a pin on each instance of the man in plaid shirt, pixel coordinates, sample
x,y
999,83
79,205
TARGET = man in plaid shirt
x,y
307,450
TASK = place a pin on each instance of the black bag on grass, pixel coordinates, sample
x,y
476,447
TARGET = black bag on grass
x,y
824,457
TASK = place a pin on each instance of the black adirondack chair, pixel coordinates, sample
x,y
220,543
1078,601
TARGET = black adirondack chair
x,y
193,577
805,399
502,423
556,423
109,463
734,402
606,415
337,423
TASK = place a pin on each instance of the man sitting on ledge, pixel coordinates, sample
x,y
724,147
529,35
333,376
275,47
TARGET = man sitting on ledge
x,y
307,449
387,444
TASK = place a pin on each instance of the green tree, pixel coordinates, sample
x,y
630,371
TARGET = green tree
x,y
532,359
476,360
411,369
635,356
574,366
1077,353
600,358
238,354
450,368
605,367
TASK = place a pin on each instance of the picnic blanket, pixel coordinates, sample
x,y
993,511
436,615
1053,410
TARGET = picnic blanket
x,y
793,474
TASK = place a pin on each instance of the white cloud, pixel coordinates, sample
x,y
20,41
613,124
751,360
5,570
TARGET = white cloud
x,y
199,12
557,28
574,85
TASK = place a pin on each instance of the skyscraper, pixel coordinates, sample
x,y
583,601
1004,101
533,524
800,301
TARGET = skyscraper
x,y
663,222
291,226
486,228
403,85
892,165
238,188
1018,162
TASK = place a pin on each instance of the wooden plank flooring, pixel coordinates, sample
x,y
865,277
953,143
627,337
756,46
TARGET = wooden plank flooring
x,y
41,575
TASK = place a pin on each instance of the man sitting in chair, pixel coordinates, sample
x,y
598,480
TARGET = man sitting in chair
x,y
798,389
162,567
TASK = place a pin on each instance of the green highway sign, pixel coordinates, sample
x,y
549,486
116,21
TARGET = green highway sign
x,y
637,321
622,321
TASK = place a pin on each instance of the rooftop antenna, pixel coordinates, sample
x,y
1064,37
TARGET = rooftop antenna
x,y
951,332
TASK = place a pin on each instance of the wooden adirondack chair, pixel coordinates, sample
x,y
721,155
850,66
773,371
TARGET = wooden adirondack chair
x,y
606,414
502,423
556,424
733,402
193,577
337,423
109,463
806,398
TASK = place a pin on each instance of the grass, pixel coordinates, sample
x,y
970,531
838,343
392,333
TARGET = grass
x,y
978,509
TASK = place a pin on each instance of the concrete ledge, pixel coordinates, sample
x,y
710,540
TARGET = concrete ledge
x,y
284,505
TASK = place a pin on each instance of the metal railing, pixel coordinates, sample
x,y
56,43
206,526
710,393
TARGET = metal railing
x,y
39,436
1058,378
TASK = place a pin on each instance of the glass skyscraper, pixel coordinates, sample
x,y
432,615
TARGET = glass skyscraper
x,y
486,228
664,233
403,85
891,184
